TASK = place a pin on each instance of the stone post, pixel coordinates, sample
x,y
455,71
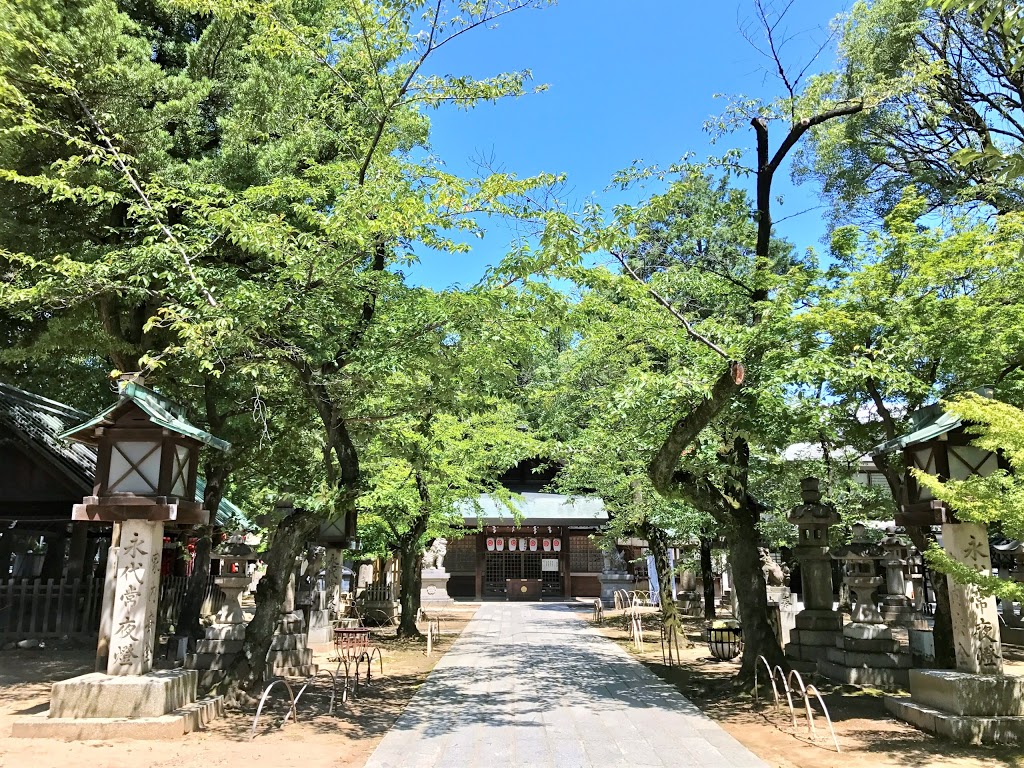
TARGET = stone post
x,y
975,621
136,592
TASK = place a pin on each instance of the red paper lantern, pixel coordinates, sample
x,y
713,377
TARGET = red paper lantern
x,y
490,544
547,545
533,545
557,544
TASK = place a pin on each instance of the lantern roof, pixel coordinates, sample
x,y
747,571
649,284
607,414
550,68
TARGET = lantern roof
x,y
156,407
928,423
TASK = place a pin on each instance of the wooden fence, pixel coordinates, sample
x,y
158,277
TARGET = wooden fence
x,y
33,608
37,608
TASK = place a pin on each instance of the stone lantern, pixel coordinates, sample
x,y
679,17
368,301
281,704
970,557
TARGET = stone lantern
x,y
147,458
859,559
234,556
896,606
866,653
817,624
226,636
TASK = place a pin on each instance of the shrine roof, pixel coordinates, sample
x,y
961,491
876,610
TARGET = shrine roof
x,y
160,411
38,422
536,509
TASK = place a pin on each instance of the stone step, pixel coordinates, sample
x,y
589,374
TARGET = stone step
x,y
193,717
868,645
226,632
806,652
219,646
886,679
821,637
287,642
289,627
869,660
965,729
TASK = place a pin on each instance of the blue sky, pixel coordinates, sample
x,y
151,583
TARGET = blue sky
x,y
629,80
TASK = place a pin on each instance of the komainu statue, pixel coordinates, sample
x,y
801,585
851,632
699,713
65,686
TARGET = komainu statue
x,y
434,556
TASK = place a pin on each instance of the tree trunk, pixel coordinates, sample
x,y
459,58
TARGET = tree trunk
x,y
189,623
247,672
657,540
749,587
942,633
707,578
189,619
409,561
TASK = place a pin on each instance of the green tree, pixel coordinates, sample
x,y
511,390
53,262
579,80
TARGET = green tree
x,y
997,499
909,313
942,82
229,187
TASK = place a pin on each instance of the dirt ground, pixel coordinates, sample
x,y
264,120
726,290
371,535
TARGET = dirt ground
x,y
867,734
317,740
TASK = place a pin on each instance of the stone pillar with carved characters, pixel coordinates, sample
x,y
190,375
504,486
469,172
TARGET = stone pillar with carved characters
x,y
136,595
975,620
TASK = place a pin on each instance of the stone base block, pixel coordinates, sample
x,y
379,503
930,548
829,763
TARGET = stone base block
x,y
295,658
849,658
194,717
612,583
219,646
96,695
287,642
871,645
304,671
813,637
807,653
964,729
818,621
290,626
225,632
886,679
320,629
961,693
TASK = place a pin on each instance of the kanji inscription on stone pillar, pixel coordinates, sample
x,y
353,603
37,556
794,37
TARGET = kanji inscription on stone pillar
x,y
975,621
136,594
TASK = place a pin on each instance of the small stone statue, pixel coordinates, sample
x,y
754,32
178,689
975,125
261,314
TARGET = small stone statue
x,y
434,556
773,574
618,561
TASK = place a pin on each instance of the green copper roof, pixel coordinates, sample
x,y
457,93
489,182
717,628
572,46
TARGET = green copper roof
x,y
928,423
159,409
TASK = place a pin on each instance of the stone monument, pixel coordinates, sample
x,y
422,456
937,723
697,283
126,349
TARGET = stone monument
x,y
434,586
614,576
818,625
147,458
975,703
688,598
225,637
866,653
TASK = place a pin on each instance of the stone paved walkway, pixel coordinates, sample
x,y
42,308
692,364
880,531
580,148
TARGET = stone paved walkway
x,y
532,685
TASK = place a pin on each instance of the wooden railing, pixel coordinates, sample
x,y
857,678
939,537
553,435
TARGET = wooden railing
x,y
172,596
33,608
36,608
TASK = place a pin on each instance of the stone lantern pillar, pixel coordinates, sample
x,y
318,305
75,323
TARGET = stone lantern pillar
x,y
147,459
974,703
225,637
897,608
817,625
